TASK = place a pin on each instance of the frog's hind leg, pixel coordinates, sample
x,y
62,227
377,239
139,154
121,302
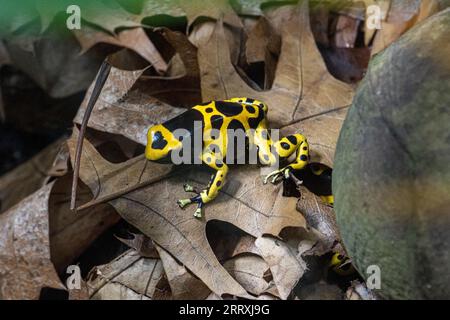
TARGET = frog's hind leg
x,y
215,184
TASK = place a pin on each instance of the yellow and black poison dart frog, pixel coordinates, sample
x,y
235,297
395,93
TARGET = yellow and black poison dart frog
x,y
213,121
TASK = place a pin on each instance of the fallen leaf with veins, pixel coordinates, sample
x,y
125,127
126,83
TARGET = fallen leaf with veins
x,y
286,266
157,215
128,277
251,272
121,110
25,265
302,86
184,285
134,39
131,102
182,89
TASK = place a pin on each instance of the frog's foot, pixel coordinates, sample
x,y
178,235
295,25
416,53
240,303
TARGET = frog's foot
x,y
276,175
198,211
189,188
183,203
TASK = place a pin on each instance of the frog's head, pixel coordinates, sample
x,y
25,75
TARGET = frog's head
x,y
253,102
160,143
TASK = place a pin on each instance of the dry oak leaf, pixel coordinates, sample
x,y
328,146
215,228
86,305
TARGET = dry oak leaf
x,y
302,86
183,284
25,266
128,277
153,210
131,102
121,109
402,16
286,266
253,273
219,9
28,177
134,39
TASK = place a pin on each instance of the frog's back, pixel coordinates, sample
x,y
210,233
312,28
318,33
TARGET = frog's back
x,y
231,114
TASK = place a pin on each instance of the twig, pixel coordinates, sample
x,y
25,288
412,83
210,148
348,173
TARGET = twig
x,y
99,83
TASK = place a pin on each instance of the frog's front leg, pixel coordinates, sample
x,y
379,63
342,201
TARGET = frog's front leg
x,y
215,184
285,148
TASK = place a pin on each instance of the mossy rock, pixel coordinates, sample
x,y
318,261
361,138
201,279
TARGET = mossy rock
x,y
391,178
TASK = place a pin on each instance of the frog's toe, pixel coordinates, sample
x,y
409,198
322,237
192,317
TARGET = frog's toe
x,y
182,203
188,188
198,213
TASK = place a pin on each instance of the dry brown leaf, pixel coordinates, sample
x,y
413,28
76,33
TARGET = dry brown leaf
x,y
52,60
121,111
251,272
219,9
142,244
302,86
321,219
182,88
106,179
184,285
71,233
25,266
128,277
28,177
134,39
286,266
157,215
402,16
96,11
263,46
125,109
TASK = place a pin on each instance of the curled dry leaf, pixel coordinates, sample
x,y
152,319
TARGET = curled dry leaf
x,y
122,110
263,46
53,61
322,132
134,39
184,285
402,16
131,102
253,273
143,245
182,88
128,277
219,9
302,86
25,266
286,266
96,11
28,177
157,215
